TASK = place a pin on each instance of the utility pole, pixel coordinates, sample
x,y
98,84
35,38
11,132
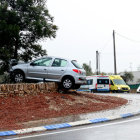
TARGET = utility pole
x,y
115,70
131,66
90,64
97,62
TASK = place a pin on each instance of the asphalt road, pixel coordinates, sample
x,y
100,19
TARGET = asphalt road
x,y
124,129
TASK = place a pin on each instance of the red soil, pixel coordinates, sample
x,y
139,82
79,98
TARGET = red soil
x,y
17,110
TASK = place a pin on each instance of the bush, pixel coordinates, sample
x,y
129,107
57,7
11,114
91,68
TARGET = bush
x,y
1,71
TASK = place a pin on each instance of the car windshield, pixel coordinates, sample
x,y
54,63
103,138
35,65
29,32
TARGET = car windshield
x,y
119,82
76,64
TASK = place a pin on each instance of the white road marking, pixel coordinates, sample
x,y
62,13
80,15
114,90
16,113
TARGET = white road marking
x,y
53,133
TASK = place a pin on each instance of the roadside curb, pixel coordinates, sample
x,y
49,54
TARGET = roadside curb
x,y
66,125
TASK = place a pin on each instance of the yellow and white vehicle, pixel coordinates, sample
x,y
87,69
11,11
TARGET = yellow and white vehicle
x,y
118,84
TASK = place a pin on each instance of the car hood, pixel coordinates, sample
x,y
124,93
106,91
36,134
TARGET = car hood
x,y
19,65
122,86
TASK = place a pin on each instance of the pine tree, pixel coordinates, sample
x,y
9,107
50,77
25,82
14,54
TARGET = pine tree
x,y
23,23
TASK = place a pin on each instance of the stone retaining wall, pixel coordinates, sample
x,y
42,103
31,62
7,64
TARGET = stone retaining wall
x,y
25,89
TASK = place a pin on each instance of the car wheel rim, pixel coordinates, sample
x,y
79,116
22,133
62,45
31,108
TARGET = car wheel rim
x,y
67,83
18,78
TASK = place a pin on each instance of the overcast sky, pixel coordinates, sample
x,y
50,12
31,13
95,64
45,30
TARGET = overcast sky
x,y
85,26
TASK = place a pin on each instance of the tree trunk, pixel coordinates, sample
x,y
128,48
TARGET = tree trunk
x,y
16,48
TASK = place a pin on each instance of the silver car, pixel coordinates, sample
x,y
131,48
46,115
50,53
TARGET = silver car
x,y
65,71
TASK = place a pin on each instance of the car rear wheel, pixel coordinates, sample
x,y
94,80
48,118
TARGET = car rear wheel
x,y
77,86
67,83
18,77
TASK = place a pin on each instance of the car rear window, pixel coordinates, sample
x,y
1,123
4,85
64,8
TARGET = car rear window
x,y
76,64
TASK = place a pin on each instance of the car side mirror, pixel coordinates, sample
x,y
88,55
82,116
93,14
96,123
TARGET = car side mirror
x,y
33,64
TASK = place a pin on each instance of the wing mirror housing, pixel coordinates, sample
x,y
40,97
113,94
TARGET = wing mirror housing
x,y
33,64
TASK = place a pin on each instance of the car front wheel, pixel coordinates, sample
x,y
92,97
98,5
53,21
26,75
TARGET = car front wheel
x,y
18,77
67,83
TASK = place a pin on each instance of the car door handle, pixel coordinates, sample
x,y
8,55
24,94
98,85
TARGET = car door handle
x,y
62,70
44,69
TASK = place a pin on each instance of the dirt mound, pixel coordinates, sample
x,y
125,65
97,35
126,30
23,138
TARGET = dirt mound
x,y
17,110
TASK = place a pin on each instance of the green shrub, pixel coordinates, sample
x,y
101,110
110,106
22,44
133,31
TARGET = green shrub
x,y
1,71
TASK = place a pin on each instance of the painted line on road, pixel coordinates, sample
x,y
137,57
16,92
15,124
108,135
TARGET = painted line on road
x,y
66,131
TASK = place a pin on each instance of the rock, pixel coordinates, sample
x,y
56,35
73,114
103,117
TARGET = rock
x,y
3,88
25,89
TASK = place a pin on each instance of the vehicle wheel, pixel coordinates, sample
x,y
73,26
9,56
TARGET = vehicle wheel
x,y
67,83
77,86
94,90
18,77
115,91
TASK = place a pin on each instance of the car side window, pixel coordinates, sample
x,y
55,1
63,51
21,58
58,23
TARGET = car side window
x,y
43,62
59,63
112,83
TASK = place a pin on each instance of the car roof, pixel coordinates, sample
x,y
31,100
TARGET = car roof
x,y
54,57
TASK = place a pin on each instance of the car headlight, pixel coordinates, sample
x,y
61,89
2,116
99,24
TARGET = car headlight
x,y
119,88
11,70
129,88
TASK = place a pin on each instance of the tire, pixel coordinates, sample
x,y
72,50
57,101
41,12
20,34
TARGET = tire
x,y
91,90
18,77
77,86
67,83
94,90
115,91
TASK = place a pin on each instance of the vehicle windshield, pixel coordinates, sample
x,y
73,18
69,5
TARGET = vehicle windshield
x,y
76,64
119,82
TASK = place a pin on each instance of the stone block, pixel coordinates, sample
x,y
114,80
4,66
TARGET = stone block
x,y
46,87
15,87
42,91
40,86
7,87
21,92
25,87
11,92
10,87
3,88
20,87
30,86
37,87
16,92
28,92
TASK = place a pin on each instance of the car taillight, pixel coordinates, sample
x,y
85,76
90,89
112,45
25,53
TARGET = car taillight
x,y
96,86
77,71
109,86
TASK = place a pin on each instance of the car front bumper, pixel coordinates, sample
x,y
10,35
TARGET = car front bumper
x,y
80,80
123,91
